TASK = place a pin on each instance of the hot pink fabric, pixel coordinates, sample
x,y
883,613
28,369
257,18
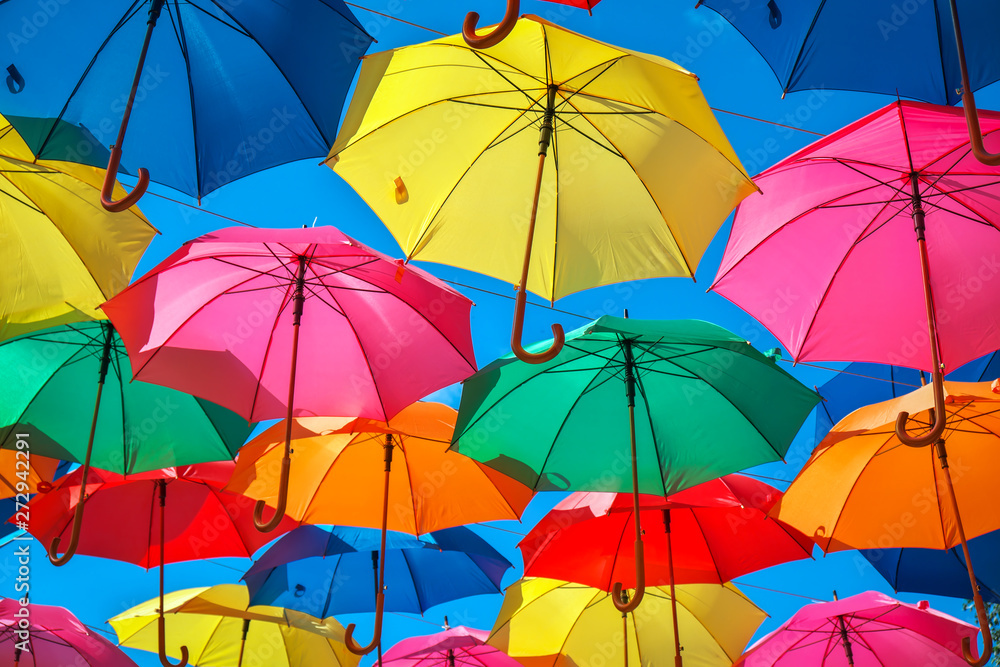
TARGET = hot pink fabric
x,y
468,647
215,320
881,630
826,258
56,637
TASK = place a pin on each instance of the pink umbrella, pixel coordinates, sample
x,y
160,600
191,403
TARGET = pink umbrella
x,y
220,319
454,646
866,630
37,635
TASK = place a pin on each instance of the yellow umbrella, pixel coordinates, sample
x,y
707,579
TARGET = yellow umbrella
x,y
551,623
442,141
62,254
863,489
221,631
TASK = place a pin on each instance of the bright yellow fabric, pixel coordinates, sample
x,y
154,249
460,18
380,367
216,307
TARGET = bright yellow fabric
x,y
62,254
637,181
209,621
337,473
863,489
550,623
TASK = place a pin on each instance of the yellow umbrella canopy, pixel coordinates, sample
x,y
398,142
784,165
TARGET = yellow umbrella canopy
x,y
221,631
551,623
609,160
62,254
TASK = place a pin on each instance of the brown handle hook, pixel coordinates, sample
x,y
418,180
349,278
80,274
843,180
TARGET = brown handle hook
x,y
74,538
640,583
279,510
969,101
162,631
940,419
984,629
356,648
107,190
499,33
559,338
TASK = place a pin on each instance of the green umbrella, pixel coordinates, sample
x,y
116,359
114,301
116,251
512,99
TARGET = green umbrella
x,y
701,403
50,379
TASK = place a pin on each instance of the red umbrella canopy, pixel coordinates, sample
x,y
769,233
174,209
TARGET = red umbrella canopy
x,y
582,4
719,530
201,519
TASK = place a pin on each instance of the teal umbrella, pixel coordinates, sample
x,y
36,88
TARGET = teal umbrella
x,y
69,388
701,403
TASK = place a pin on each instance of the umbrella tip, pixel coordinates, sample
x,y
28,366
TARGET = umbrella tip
x,y
923,604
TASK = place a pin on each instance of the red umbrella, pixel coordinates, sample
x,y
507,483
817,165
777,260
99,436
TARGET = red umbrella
x,y
719,529
198,520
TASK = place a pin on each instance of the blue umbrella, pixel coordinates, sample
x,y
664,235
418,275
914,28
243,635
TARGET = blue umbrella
x,y
326,571
913,48
224,90
940,572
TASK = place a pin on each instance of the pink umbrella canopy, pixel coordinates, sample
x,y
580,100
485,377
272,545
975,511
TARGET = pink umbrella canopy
x,y
870,629
458,646
826,257
52,636
215,319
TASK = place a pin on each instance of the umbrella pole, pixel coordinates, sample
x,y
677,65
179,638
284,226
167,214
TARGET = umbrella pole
x,y
640,566
624,599
937,375
969,101
375,562
352,645
499,33
558,337
74,538
678,660
243,641
977,598
161,621
848,649
116,151
298,300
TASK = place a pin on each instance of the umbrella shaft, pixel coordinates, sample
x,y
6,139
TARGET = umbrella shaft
x,y
848,650
154,15
943,457
919,229
678,660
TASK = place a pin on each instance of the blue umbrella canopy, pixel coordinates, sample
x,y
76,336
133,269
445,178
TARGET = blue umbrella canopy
x,y
227,89
325,571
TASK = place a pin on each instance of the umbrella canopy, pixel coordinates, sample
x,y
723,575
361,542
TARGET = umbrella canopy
x,y
441,143
938,572
220,629
63,255
53,636
710,533
455,646
139,427
550,623
340,467
866,630
323,572
707,403
21,473
221,92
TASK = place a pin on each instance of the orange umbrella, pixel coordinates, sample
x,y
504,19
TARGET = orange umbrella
x,y
21,473
864,489
344,475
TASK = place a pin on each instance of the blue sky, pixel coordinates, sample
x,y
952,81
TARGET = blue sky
x,y
733,77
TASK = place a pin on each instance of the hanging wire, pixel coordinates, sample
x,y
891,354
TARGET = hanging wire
x,y
775,590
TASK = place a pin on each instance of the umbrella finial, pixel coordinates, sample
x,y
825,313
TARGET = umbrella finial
x,y
499,33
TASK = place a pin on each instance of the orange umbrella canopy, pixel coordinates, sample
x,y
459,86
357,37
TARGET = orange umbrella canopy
x,y
863,489
21,473
339,467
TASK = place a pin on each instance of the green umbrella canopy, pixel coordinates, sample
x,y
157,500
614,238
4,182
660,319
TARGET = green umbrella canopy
x,y
707,404
48,392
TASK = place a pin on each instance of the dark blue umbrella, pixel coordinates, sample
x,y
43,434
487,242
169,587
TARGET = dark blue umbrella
x,y
223,90
327,571
912,48
940,572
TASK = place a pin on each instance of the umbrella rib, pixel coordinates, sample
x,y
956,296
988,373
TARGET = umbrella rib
x,y
950,195
847,499
27,204
802,46
409,483
177,24
116,365
285,300
514,87
413,579
214,493
711,552
149,533
652,431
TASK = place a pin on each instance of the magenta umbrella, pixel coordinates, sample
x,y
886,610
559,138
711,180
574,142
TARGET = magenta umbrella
x,y
37,635
455,646
227,316
866,630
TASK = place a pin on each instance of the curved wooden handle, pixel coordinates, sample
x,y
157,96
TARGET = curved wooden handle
x,y
975,132
499,33
107,190
984,629
940,419
640,583
279,510
559,338
162,632
356,648
74,537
